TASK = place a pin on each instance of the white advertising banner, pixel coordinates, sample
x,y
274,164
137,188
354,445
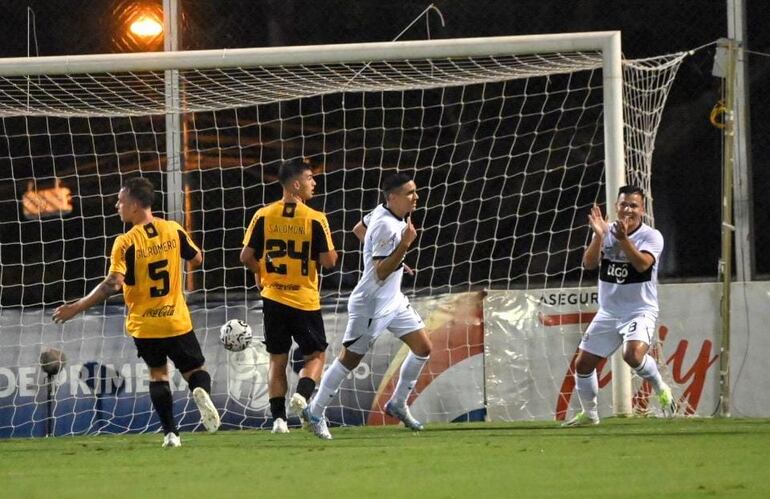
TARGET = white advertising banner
x,y
104,387
498,355
749,350
531,337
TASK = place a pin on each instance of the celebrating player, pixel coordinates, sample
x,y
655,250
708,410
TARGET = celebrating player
x,y
377,303
628,254
146,264
282,244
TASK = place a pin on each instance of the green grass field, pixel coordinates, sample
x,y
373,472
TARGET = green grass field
x,y
619,458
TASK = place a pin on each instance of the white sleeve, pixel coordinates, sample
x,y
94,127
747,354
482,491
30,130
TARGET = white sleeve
x,y
383,239
652,244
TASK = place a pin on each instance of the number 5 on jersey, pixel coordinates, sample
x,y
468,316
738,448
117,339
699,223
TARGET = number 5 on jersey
x,y
157,272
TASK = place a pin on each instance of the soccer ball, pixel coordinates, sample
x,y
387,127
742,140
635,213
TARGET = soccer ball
x,y
235,335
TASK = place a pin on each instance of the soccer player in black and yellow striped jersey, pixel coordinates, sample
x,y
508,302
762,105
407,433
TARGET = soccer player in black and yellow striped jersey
x,y
146,264
283,246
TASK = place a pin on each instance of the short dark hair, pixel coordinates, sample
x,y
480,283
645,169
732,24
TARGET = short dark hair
x,y
291,169
394,181
141,190
631,189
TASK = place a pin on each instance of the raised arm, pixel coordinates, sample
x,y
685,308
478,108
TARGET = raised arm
x,y
387,265
593,252
640,260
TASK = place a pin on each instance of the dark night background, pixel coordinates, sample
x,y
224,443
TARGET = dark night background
x,y
686,166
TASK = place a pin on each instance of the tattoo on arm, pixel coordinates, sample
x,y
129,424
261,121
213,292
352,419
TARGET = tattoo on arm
x,y
108,287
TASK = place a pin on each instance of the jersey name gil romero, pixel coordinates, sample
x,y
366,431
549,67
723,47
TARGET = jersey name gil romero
x,y
287,239
624,291
150,258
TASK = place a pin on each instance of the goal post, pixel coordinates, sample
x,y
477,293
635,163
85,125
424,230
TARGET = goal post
x,y
510,139
615,176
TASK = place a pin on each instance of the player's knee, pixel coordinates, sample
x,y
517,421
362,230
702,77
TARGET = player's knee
x,y
583,369
585,364
315,356
422,350
159,373
633,358
349,360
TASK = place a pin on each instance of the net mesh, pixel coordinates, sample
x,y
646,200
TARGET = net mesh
x,y
507,153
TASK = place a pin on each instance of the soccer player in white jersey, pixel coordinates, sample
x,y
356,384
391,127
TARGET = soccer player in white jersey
x,y
377,303
627,253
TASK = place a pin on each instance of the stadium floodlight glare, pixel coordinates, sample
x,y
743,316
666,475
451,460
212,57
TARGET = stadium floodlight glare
x,y
146,27
138,26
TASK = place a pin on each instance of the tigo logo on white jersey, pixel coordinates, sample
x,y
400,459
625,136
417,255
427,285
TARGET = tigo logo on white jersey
x,y
619,272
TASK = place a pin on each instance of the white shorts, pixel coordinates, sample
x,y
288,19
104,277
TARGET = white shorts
x,y
605,334
362,330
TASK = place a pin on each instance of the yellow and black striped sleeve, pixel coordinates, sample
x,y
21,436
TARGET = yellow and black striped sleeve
x,y
322,237
187,248
255,235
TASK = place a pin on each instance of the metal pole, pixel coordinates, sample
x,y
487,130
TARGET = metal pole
x,y
725,265
743,216
174,185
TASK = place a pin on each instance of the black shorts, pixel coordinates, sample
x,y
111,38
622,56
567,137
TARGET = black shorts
x,y
282,323
183,350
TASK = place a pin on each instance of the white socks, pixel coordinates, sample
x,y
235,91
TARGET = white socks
x,y
588,389
407,378
588,384
648,370
330,383
336,374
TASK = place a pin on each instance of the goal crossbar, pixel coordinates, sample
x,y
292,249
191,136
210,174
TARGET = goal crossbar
x,y
607,42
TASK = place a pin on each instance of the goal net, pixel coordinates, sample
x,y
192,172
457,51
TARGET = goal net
x,y
510,141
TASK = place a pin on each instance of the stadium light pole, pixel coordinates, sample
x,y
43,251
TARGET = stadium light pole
x,y
174,184
177,193
146,27
743,218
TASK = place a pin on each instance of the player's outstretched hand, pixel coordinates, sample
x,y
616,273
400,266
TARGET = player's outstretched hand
x,y
597,222
409,234
65,312
408,270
